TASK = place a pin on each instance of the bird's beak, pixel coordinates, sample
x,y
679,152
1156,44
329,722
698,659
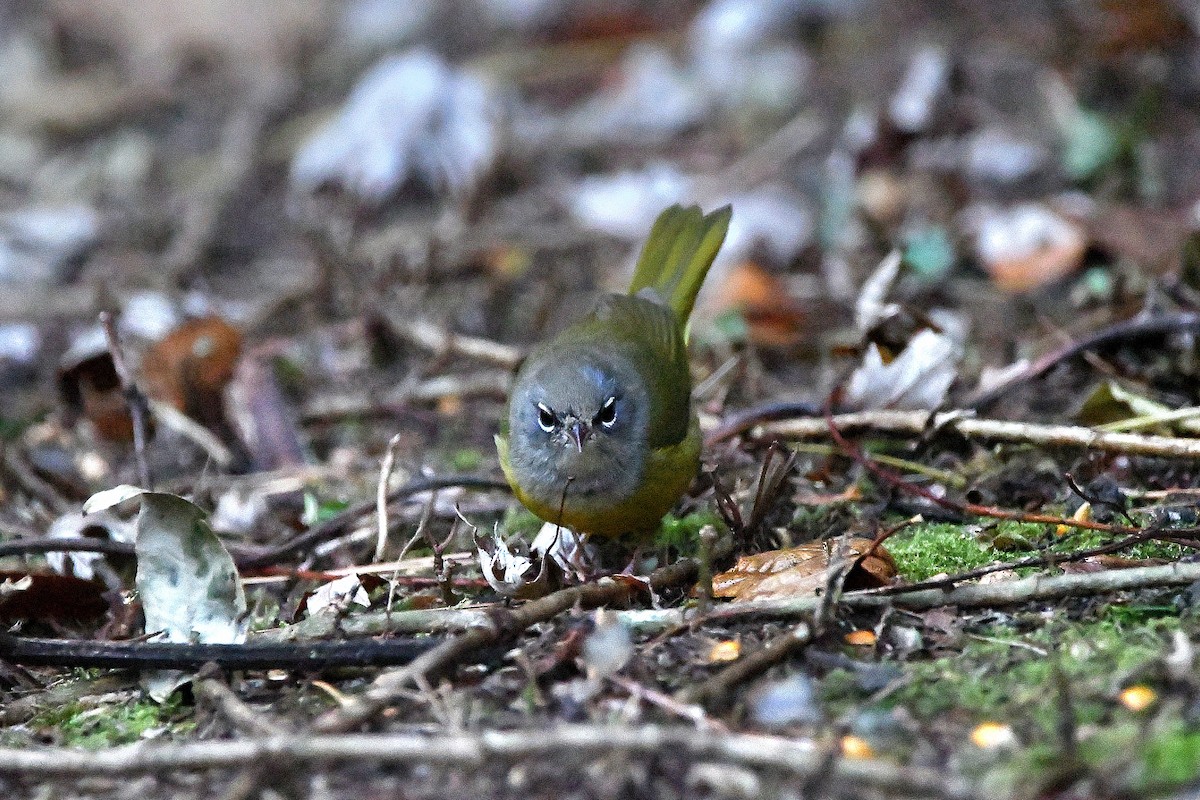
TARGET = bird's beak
x,y
579,433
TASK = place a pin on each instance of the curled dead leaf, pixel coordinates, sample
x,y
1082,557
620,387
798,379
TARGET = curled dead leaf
x,y
728,650
89,386
801,570
1028,246
861,638
190,367
773,318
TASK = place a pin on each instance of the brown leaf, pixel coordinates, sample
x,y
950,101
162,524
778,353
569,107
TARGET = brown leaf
x,y
1029,246
772,316
190,367
801,570
88,384
47,597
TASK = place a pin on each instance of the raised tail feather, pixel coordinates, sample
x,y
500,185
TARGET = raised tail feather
x,y
678,254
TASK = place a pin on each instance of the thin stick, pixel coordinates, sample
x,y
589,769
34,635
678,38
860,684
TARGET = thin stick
x,y
578,742
918,423
501,625
719,686
1125,332
139,408
381,495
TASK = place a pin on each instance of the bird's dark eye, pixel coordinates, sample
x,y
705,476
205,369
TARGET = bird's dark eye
x,y
607,416
546,419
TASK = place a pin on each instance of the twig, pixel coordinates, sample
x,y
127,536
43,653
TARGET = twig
x,y
33,483
739,422
337,525
975,595
381,494
57,544
235,710
485,383
1045,559
918,423
578,742
139,408
439,340
1125,332
692,713
719,686
301,656
171,417
503,624
766,160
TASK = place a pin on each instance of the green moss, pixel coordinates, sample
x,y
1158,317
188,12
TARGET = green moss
x,y
923,551
683,533
466,459
105,726
1012,675
1169,758
1006,676
519,521
317,510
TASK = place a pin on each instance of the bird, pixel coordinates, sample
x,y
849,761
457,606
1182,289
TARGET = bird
x,y
599,433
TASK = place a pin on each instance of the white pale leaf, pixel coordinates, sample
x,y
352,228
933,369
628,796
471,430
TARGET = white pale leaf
x,y
186,578
110,497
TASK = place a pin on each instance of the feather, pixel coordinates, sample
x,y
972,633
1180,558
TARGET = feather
x,y
678,253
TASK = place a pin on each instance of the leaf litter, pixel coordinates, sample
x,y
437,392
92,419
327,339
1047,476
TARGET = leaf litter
x,y
331,185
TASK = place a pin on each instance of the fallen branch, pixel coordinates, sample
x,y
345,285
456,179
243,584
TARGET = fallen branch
x,y
975,595
503,625
298,656
574,742
439,340
1124,332
918,423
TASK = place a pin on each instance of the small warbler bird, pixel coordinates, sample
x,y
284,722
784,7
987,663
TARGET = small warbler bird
x,y
600,435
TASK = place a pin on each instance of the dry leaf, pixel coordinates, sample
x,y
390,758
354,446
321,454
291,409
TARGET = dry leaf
x,y
1138,698
861,638
918,378
49,598
856,747
772,317
992,736
1027,246
728,650
191,365
799,571
411,116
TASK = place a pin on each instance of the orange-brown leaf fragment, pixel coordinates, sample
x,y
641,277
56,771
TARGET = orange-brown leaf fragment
x,y
190,367
773,317
861,638
799,571
728,650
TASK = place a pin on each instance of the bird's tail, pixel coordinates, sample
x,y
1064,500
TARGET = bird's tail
x,y
677,255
